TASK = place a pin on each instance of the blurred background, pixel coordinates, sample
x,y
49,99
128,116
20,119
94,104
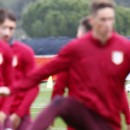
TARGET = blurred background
x,y
45,18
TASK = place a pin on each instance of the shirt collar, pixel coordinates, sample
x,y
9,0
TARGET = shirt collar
x,y
97,42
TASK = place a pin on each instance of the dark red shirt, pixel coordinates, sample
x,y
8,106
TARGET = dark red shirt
x,y
96,73
61,84
23,63
6,75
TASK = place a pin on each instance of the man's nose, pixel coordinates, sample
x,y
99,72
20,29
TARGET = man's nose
x,y
6,32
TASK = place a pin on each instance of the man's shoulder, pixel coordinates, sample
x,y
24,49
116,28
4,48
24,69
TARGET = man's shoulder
x,y
5,47
79,41
121,38
124,43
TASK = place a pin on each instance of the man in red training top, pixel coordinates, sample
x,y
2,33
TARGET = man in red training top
x,y
62,79
6,79
23,63
98,64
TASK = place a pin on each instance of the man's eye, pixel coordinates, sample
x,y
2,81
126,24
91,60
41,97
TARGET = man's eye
x,y
103,19
3,27
11,28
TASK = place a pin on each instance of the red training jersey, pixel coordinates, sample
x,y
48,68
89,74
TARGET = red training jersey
x,y
96,73
23,63
6,75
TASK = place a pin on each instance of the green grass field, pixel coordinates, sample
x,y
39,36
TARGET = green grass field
x,y
44,98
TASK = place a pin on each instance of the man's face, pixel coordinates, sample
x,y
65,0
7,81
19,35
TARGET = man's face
x,y
103,21
7,29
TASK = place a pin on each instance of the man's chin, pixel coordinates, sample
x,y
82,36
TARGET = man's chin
x,y
6,39
108,34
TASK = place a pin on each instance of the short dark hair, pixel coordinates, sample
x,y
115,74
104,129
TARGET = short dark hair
x,y
85,23
6,14
95,6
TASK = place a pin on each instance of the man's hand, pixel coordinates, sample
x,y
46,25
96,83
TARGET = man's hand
x,y
2,117
16,120
4,91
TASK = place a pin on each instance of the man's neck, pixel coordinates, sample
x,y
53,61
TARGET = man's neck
x,y
101,38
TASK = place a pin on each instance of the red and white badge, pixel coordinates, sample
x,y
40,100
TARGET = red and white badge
x,y
15,61
117,57
1,59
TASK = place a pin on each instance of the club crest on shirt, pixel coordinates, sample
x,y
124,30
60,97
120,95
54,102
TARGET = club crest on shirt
x,y
15,61
117,57
1,58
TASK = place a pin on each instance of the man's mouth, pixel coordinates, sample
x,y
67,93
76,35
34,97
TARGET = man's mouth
x,y
6,38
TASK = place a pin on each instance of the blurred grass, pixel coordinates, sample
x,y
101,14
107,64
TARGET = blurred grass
x,y
44,98
40,103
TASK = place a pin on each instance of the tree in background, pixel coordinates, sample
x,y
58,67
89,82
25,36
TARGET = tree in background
x,y
123,2
16,5
123,20
1,4
61,17
54,17
19,5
